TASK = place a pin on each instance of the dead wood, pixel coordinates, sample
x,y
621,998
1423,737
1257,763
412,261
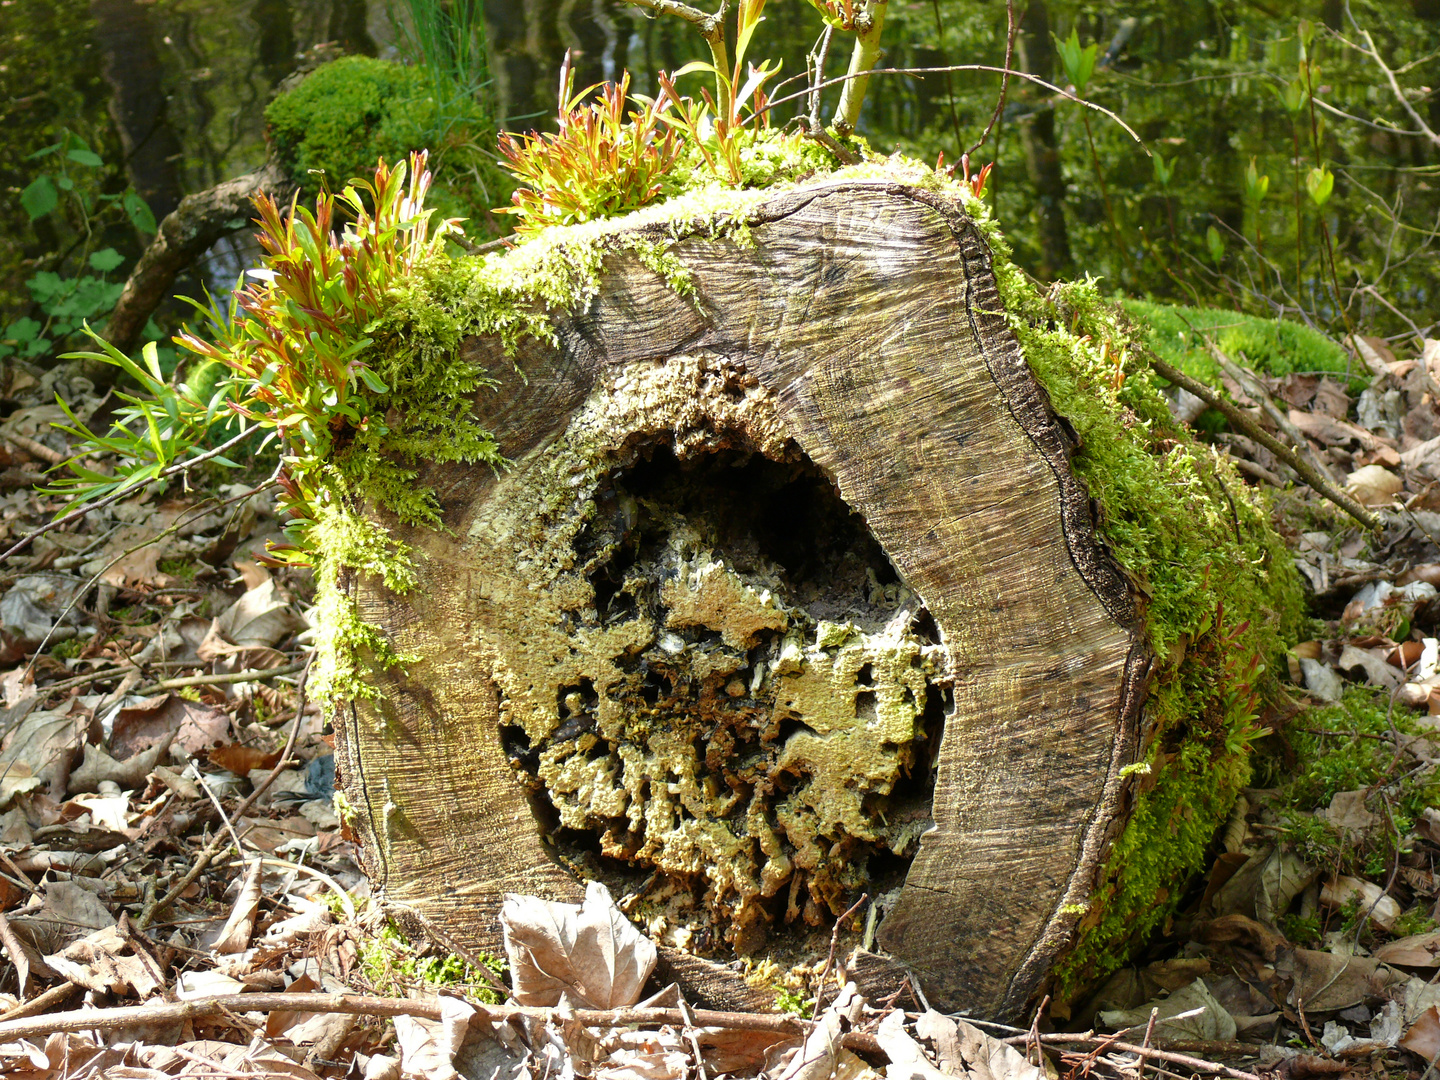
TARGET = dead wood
x,y
159,1013
1307,472
803,553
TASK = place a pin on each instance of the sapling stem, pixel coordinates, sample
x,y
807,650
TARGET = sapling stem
x,y
868,27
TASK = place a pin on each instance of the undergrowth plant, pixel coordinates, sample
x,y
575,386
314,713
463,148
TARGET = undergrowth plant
x,y
604,161
291,356
70,185
599,163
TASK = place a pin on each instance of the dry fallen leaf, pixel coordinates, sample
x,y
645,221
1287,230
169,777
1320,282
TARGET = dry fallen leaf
x,y
1190,1013
99,767
43,744
143,722
234,936
964,1050
260,618
1418,950
428,1047
590,952
240,760
1373,485
1423,1036
98,963
907,1060
1381,909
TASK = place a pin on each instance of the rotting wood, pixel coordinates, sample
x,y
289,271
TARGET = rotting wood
x,y
927,565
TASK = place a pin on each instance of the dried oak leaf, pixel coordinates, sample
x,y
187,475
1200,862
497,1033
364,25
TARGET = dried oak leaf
x,y
590,952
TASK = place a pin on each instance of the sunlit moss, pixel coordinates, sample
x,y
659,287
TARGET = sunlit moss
x,y
344,116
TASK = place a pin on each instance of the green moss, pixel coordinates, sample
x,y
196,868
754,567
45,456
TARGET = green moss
x,y
344,116
1222,599
68,649
793,1001
391,964
1274,346
1348,747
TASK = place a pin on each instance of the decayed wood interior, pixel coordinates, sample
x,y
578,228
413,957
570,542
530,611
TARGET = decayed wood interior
x,y
925,562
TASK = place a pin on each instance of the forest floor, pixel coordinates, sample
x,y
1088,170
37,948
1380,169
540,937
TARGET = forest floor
x,y
167,833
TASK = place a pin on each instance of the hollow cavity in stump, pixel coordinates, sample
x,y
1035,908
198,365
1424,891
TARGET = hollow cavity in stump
x,y
766,753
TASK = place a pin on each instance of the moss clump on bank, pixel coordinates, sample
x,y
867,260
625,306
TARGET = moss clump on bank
x,y
1273,346
1221,594
348,114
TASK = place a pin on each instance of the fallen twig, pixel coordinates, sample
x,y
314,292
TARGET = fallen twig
x,y
1150,1052
40,1002
33,447
249,675
1247,424
364,1005
217,844
830,958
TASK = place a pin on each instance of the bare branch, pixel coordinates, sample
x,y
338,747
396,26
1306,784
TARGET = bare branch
x,y
1245,423
708,25
971,67
362,1005
1395,88
1010,27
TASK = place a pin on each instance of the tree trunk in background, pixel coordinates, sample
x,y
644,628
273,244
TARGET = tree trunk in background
x,y
1042,157
275,46
135,73
789,594
349,27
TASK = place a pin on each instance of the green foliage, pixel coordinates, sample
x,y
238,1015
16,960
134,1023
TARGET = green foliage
x,y
300,362
599,164
1348,747
447,38
394,966
154,430
47,95
349,114
602,163
70,185
1079,63
1273,346
793,1001
1319,184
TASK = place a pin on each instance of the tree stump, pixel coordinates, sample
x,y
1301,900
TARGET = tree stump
x,y
790,594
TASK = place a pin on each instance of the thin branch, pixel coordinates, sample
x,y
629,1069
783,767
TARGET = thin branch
x,y
1106,1040
1246,423
973,67
707,24
1395,88
1010,27
226,679
40,1002
364,1005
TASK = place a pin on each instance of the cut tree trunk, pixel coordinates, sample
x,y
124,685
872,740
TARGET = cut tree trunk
x,y
789,595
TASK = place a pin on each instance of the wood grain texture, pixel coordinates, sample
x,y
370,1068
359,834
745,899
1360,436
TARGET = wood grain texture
x,y
860,329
